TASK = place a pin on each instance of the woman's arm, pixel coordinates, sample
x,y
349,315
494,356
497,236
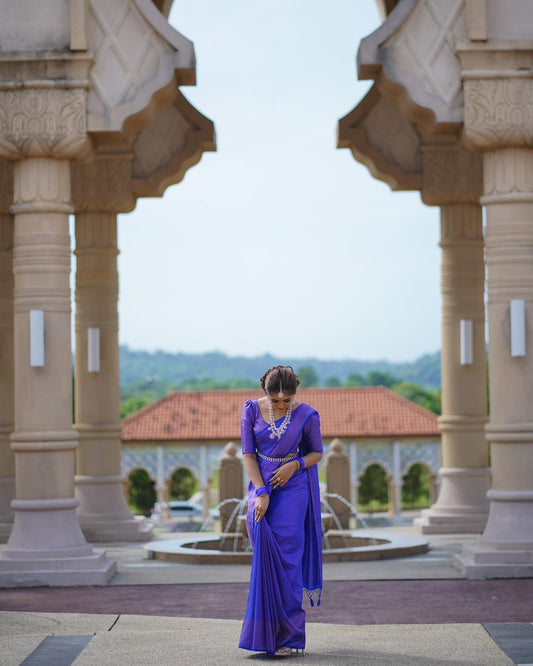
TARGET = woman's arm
x,y
312,458
284,473
252,469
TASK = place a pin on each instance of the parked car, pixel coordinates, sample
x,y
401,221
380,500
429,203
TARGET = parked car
x,y
185,509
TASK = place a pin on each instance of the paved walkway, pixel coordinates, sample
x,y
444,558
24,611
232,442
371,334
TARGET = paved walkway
x,y
139,640
417,611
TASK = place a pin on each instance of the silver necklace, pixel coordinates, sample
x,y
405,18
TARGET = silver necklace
x,y
276,431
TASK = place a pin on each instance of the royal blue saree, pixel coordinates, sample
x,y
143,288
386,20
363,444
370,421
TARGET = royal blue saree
x,y
287,542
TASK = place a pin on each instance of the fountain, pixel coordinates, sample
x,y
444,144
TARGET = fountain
x,y
232,546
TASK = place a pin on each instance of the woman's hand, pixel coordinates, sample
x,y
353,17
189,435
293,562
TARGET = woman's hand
x,y
283,474
261,506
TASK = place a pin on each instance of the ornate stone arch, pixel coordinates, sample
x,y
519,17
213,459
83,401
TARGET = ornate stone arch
x,y
182,456
417,461
181,466
427,453
139,457
375,461
140,468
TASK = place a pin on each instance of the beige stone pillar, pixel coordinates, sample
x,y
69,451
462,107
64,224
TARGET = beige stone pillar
x,y
433,488
395,481
7,458
230,484
46,546
338,482
103,512
452,179
498,101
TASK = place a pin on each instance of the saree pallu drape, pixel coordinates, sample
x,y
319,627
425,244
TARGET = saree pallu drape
x,y
287,542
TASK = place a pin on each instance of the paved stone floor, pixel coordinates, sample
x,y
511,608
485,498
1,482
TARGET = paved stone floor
x,y
417,611
343,602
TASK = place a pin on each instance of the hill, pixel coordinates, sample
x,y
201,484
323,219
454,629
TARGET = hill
x,y
142,366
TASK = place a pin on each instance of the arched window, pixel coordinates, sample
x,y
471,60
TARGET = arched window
x,y
416,487
373,489
183,484
141,492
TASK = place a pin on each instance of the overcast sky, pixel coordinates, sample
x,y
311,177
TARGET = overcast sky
x,y
279,242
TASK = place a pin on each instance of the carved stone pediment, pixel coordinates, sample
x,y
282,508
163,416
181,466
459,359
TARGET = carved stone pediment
x,y
145,133
139,60
164,151
384,141
412,57
395,151
159,156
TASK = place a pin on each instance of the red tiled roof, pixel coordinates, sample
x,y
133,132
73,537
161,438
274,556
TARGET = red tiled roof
x,y
344,412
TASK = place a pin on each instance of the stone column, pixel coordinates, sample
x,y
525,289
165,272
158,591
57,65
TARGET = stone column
x,y
7,458
204,480
230,483
43,126
46,546
338,482
100,190
433,488
452,179
161,488
354,477
396,482
498,102
103,512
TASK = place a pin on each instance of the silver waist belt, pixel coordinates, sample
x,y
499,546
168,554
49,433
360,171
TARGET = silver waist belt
x,y
289,457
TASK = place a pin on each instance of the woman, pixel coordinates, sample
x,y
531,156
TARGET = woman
x,y
282,445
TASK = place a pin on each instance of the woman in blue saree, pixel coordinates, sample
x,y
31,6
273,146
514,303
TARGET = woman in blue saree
x,y
282,445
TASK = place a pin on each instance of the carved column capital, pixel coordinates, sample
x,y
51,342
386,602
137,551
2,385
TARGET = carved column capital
x,y
498,95
450,175
43,105
42,122
499,112
6,185
105,185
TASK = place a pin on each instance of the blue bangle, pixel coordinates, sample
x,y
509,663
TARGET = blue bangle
x,y
262,490
302,462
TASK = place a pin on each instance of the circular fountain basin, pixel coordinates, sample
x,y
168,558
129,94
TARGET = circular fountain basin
x,y
344,546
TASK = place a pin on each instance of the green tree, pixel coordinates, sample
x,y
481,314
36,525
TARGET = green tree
x,y
333,382
142,495
133,404
354,379
183,484
427,398
415,489
378,378
373,489
307,377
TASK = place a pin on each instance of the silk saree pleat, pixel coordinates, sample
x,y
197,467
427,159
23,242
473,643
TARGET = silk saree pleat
x,y
274,616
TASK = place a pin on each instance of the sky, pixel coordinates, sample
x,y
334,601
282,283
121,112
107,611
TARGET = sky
x,y
279,242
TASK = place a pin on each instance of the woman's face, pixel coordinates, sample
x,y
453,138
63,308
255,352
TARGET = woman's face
x,y
280,405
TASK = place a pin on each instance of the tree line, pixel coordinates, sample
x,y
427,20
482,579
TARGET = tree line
x,y
141,393
219,367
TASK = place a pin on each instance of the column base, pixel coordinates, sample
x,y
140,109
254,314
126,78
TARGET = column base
x,y
46,547
94,569
7,494
5,531
462,506
103,513
505,550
